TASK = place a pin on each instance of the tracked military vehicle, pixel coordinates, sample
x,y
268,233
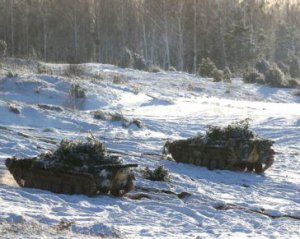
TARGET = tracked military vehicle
x,y
233,147
74,168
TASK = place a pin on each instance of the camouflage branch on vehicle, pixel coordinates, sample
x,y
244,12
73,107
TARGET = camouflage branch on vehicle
x,y
233,147
74,168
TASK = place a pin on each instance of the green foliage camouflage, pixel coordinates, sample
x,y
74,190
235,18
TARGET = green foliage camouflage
x,y
232,147
75,167
232,131
235,131
78,155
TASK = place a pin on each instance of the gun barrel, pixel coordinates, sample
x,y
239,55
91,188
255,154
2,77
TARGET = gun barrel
x,y
117,166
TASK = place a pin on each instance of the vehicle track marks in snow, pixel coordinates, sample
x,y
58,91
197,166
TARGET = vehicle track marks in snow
x,y
171,105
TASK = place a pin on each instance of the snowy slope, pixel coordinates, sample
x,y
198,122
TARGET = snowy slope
x,y
171,105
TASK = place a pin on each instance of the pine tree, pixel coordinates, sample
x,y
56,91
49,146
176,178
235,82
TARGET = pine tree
x,y
207,68
164,32
284,44
239,46
3,48
294,67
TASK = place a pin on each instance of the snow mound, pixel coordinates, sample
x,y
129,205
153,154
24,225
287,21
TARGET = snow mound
x,y
171,105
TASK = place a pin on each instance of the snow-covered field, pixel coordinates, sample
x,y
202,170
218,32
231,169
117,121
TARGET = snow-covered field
x,y
171,105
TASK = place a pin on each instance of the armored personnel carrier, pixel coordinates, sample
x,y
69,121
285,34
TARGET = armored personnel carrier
x,y
233,147
74,168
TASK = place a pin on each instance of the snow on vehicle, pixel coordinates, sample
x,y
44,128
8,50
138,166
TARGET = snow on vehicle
x,y
74,168
233,147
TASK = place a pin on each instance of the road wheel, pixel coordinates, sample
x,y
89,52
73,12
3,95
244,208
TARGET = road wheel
x,y
250,167
243,166
258,168
212,164
205,162
78,189
67,189
56,188
221,164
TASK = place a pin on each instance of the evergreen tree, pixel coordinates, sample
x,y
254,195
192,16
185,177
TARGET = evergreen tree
x,y
262,66
275,77
227,74
294,67
3,48
239,46
207,68
284,43
164,32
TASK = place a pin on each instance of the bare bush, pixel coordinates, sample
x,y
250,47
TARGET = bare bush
x,y
64,225
217,75
227,74
50,107
73,70
155,69
77,92
253,76
11,74
14,109
158,174
43,69
172,68
117,79
116,117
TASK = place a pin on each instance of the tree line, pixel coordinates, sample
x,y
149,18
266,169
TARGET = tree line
x,y
167,33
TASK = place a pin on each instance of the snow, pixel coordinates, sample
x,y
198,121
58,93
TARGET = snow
x,y
171,105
